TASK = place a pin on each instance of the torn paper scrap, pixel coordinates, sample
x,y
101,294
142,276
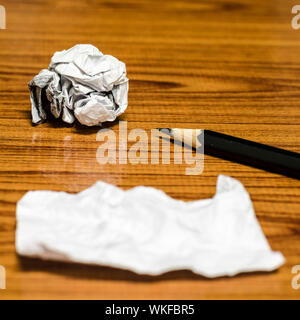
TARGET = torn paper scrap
x,y
146,231
80,83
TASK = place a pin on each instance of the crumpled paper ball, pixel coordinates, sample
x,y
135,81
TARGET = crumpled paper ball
x,y
80,83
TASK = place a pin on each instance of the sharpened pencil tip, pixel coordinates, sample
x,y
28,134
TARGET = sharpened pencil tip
x,y
165,130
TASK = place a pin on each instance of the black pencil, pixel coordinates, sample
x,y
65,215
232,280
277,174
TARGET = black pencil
x,y
244,151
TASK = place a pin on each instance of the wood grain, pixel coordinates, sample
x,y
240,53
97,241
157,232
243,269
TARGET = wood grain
x,y
229,66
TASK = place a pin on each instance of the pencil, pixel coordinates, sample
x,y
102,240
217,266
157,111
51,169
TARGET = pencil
x,y
243,151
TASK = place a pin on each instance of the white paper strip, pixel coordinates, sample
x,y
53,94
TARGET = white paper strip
x,y
146,231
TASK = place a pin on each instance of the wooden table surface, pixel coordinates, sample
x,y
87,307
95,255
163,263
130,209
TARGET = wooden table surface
x,y
228,66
